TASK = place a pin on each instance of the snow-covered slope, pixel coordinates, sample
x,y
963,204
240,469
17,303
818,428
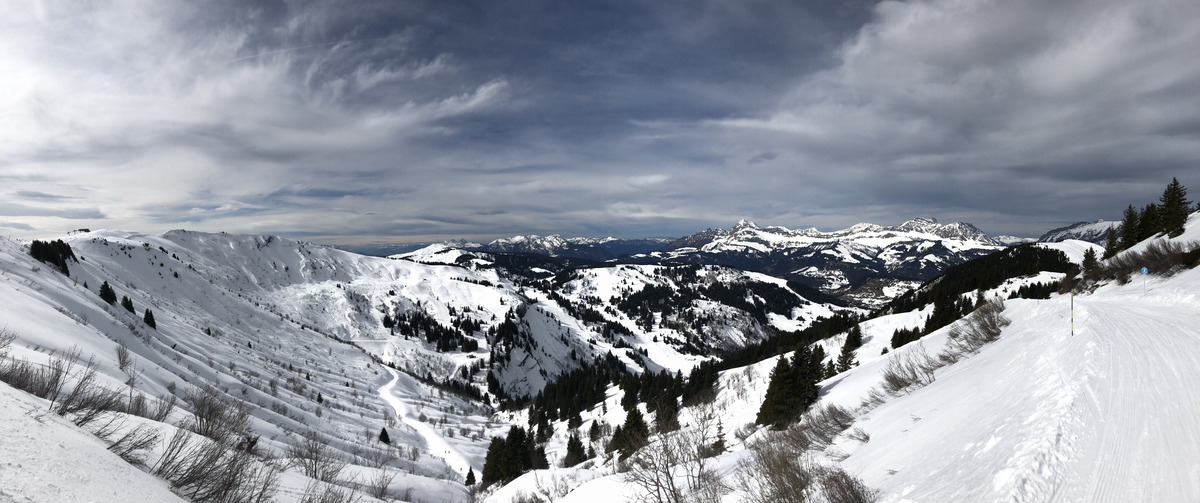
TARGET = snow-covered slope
x,y
1090,403
1094,232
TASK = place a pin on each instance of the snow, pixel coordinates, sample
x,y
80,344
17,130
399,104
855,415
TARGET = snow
x,y
435,444
1099,416
1105,415
1074,249
45,457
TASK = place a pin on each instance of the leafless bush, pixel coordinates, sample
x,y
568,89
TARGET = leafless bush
x,y
970,334
204,471
743,432
86,400
20,374
909,371
53,377
6,339
215,416
874,398
778,469
822,424
524,497
325,492
837,486
124,358
131,445
315,458
379,485
161,408
1163,257
859,435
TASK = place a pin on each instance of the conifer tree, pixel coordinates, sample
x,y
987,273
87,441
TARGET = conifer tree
x,y
383,436
149,318
1110,243
854,337
1129,228
107,294
126,303
575,452
1149,222
773,410
635,434
846,360
1175,208
1089,259
470,477
492,471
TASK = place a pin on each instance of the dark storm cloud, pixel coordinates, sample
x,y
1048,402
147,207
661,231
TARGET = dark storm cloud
x,y
369,121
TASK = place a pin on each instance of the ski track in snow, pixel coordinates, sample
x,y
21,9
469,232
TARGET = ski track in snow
x,y
434,443
1146,419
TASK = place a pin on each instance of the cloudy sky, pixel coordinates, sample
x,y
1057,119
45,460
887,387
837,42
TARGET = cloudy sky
x,y
357,122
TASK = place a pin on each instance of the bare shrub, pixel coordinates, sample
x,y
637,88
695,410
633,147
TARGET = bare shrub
x,y
216,416
6,339
874,398
524,497
1163,257
205,471
124,358
859,434
379,485
314,457
131,445
969,335
909,371
837,486
87,400
160,408
53,377
325,492
822,424
778,469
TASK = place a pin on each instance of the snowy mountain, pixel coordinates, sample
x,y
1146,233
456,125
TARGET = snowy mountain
x,y
296,334
578,247
315,339
866,264
1006,240
1077,399
1094,232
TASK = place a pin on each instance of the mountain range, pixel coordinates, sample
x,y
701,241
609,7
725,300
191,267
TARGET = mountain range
x,y
447,348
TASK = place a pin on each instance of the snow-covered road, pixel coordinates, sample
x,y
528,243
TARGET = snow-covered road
x,y
1107,415
1146,422
434,442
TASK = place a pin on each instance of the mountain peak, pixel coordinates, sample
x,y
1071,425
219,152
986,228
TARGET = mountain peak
x,y
743,224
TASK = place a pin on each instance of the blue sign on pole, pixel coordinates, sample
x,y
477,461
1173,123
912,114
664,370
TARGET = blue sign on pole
x,y
1145,270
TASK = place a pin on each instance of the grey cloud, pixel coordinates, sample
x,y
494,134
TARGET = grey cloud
x,y
428,118
20,210
33,194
